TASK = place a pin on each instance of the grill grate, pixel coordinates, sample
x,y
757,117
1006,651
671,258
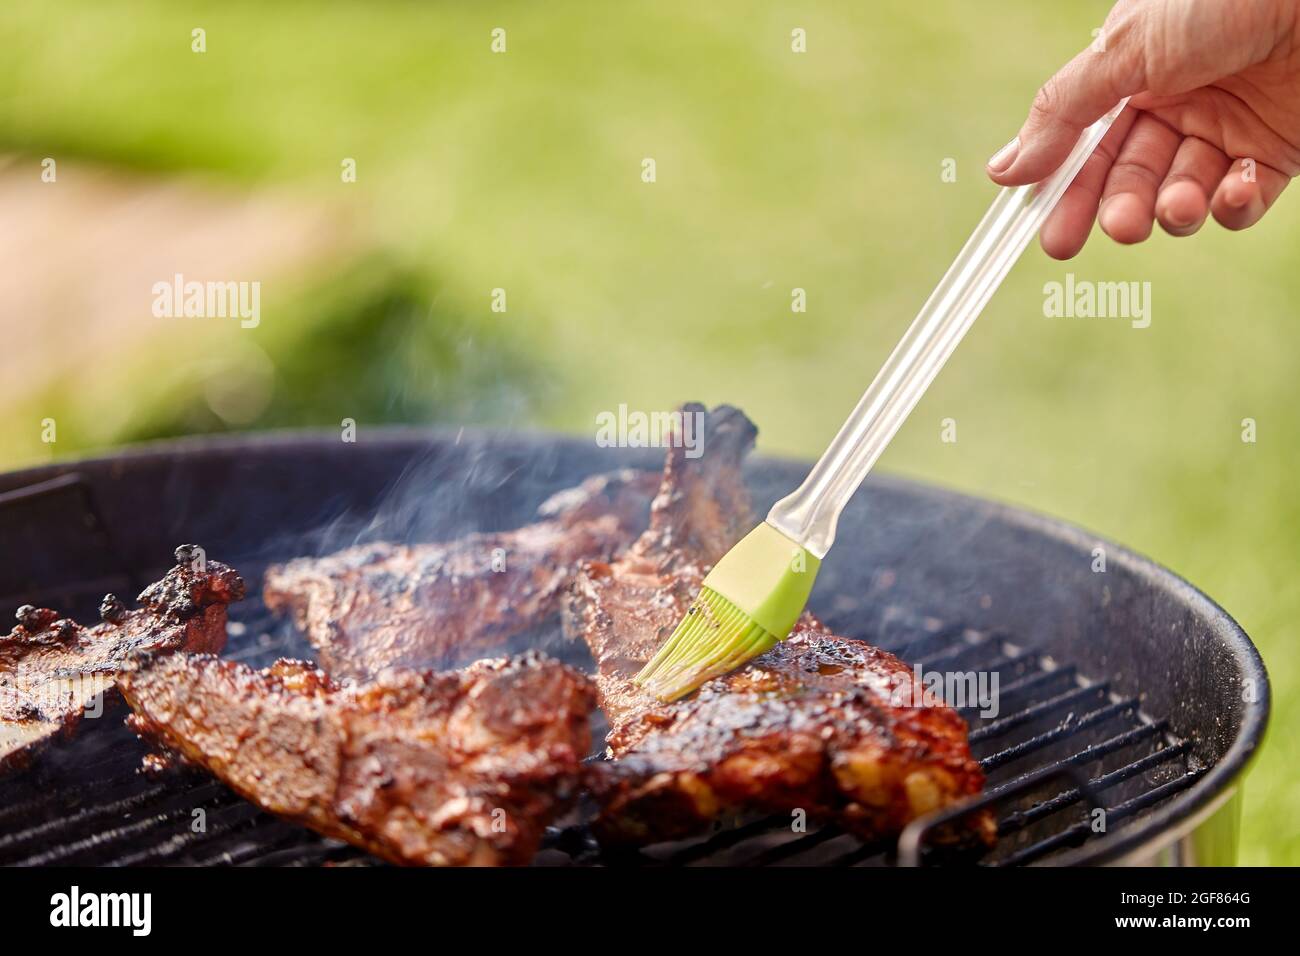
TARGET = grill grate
x,y
1060,741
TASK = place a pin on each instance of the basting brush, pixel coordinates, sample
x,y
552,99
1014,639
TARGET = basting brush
x,y
755,594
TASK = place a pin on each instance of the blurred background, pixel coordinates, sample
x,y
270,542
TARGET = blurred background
x,y
522,171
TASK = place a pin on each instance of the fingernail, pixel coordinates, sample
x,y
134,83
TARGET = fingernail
x,y
1103,216
1172,219
1004,157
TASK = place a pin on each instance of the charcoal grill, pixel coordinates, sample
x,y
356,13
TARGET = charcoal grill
x,y
1127,696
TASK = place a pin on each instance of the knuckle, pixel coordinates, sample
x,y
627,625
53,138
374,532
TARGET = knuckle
x,y
1104,155
1046,100
1177,179
1129,171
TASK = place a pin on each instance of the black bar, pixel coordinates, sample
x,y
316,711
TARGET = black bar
x,y
587,908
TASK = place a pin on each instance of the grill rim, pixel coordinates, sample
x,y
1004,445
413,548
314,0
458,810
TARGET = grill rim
x,y
1158,829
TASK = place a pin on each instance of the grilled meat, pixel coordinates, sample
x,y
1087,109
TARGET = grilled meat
x,y
53,670
816,723
820,722
377,606
462,767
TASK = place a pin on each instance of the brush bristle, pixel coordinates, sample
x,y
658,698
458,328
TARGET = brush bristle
x,y
714,638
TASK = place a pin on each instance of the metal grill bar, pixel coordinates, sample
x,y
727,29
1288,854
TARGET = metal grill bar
x,y
110,779
1069,729
726,839
867,853
248,852
999,727
1091,753
1077,834
128,831
1033,682
188,840
1155,795
783,851
1037,679
1010,662
90,815
1019,820
949,655
313,854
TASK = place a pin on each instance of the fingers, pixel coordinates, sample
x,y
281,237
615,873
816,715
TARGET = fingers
x,y
1143,171
1128,199
1085,89
1245,193
1067,228
1184,198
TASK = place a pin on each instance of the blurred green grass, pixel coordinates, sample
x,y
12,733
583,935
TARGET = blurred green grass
x,y
775,170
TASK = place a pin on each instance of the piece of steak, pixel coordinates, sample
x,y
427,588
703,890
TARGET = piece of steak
x,y
53,670
376,606
463,767
820,723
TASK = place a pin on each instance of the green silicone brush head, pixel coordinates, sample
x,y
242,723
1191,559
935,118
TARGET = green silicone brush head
x,y
748,603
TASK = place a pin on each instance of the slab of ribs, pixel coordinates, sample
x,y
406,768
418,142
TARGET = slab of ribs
x,y
464,767
53,671
381,605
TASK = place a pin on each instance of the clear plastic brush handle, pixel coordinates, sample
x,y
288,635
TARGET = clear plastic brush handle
x,y
808,516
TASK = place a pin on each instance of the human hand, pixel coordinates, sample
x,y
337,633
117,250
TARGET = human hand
x,y
1213,125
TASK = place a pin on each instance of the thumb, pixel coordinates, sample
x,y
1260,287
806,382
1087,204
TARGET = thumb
x,y
1077,96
